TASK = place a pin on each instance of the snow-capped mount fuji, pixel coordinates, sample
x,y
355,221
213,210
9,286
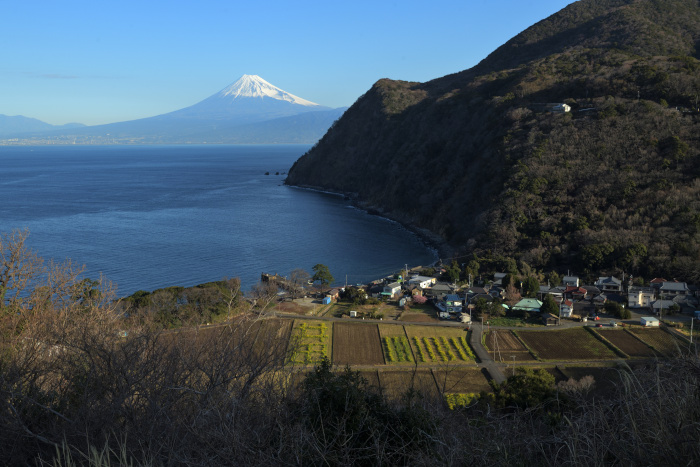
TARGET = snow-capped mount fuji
x,y
250,99
250,110
255,86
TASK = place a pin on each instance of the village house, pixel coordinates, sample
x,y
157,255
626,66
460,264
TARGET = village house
x,y
575,293
609,284
453,303
640,297
566,309
415,290
530,305
498,278
669,290
422,281
497,292
391,290
659,306
570,281
439,290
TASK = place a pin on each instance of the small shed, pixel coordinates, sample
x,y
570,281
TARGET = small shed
x,y
326,300
549,319
353,313
649,321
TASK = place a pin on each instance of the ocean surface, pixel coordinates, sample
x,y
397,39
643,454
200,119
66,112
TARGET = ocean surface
x,y
148,217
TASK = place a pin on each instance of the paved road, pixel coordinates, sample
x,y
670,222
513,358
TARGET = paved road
x,y
486,360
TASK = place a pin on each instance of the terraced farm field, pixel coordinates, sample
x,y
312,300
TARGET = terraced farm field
x,y
356,344
629,344
395,344
503,346
661,340
567,344
395,383
434,344
309,342
461,380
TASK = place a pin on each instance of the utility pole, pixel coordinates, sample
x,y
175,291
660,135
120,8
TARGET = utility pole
x,y
692,320
513,357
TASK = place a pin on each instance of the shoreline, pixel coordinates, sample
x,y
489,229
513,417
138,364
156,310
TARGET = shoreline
x,y
430,239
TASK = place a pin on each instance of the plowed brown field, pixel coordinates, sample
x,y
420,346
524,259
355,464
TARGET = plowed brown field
x,y
356,344
567,344
628,343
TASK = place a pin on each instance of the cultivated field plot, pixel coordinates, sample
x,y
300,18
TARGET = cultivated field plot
x,y
420,314
397,349
567,344
628,343
356,344
503,346
461,381
395,344
661,340
309,342
395,383
433,344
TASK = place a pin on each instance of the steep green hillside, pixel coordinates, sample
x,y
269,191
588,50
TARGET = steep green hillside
x,y
477,158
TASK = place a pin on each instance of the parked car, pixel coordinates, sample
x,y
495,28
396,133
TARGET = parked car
x,y
594,317
599,325
613,324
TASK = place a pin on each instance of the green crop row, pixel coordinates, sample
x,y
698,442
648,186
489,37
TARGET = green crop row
x,y
397,349
419,349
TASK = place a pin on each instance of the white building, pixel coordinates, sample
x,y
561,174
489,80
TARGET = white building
x,y
422,281
640,297
649,321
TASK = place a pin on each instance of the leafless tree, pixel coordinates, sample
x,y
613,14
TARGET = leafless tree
x,y
298,279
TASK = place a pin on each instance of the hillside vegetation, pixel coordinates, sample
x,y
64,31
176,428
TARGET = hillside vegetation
x,y
477,158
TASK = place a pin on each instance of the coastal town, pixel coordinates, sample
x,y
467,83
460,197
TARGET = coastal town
x,y
482,329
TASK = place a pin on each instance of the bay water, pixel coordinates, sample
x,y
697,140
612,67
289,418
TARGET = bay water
x,y
148,217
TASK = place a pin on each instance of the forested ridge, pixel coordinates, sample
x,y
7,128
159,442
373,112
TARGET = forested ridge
x,y
478,158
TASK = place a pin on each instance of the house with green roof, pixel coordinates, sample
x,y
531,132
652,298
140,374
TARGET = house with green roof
x,y
531,305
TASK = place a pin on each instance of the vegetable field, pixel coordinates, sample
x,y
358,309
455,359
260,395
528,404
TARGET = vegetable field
x,y
431,344
661,340
309,342
504,345
567,344
629,344
356,344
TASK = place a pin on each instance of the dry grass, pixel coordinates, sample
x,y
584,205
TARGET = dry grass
x,y
461,381
395,383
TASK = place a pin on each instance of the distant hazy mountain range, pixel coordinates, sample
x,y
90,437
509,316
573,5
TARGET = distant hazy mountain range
x,y
11,125
251,110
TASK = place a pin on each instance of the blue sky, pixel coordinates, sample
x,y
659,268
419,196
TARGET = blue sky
x,y
104,61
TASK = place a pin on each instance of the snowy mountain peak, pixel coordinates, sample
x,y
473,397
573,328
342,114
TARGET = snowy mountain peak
x,y
255,86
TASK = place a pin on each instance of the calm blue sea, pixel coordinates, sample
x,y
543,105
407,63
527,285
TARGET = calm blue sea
x,y
155,216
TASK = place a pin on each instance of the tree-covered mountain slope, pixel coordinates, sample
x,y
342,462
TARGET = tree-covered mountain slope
x,y
480,158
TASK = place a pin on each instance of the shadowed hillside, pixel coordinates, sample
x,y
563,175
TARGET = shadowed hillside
x,y
479,158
